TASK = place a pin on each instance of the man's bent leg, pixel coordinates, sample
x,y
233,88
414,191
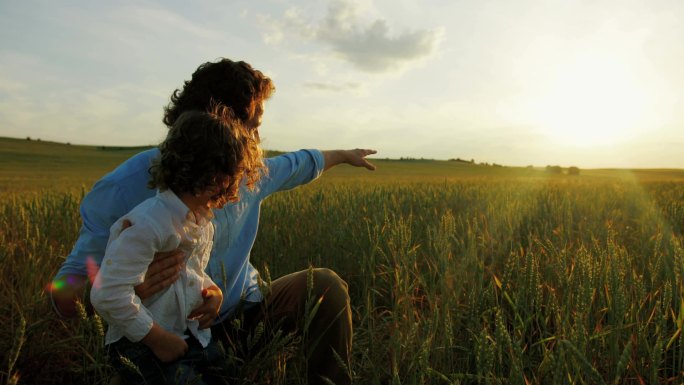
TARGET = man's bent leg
x,y
329,330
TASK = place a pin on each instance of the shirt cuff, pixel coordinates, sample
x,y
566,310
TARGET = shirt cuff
x,y
319,161
138,328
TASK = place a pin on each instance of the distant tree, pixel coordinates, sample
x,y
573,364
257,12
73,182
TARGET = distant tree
x,y
573,170
530,167
28,138
459,160
554,169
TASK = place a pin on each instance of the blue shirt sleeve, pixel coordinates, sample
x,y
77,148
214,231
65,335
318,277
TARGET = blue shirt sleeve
x,y
100,208
110,198
290,170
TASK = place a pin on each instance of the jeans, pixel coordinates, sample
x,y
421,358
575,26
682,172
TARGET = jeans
x,y
137,364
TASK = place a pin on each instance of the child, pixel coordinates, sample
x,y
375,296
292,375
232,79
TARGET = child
x,y
201,164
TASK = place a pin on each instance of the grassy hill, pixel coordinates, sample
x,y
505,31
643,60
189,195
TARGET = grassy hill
x,y
34,165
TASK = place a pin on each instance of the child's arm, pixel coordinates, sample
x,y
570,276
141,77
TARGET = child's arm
x,y
166,346
207,312
123,266
162,272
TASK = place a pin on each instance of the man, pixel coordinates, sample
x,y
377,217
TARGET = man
x,y
244,89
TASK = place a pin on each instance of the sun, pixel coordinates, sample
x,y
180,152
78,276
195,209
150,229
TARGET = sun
x,y
592,102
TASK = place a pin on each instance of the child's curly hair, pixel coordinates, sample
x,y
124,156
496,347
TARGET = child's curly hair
x,y
202,148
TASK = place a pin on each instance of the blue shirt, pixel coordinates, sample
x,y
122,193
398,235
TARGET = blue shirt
x,y
235,225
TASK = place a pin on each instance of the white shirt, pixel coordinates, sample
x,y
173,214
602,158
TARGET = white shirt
x,y
161,223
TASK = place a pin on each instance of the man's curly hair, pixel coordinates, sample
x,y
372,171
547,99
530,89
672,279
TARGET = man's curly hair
x,y
234,84
202,148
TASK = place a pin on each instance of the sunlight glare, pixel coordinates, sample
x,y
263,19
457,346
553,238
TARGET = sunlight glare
x,y
593,102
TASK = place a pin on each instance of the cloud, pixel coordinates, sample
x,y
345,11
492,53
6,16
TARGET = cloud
x,y
161,21
320,86
50,108
13,63
369,45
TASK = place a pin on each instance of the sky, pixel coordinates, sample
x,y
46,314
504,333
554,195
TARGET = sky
x,y
528,82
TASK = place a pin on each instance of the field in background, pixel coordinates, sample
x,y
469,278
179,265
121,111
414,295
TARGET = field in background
x,y
30,165
458,273
33,165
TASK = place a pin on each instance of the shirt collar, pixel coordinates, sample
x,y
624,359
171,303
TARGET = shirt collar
x,y
181,210
175,205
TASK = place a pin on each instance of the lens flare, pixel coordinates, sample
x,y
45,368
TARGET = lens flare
x,y
55,285
92,268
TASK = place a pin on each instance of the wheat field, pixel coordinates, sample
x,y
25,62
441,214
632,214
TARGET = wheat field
x,y
473,279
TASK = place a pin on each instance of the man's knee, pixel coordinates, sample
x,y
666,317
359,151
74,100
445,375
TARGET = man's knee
x,y
326,281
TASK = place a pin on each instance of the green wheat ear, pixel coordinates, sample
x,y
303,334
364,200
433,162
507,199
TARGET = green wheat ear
x,y
128,364
253,339
265,285
267,275
341,363
586,366
622,362
17,344
99,327
310,279
81,310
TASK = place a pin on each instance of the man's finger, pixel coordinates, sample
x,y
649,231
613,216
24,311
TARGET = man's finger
x,y
154,284
368,165
165,261
206,320
168,257
205,324
168,281
162,275
196,313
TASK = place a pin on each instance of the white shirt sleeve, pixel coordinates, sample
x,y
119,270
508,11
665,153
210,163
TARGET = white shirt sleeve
x,y
124,265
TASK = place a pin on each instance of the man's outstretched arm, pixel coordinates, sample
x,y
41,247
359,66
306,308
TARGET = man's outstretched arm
x,y
356,158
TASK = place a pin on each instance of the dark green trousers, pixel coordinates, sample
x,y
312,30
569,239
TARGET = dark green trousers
x,y
329,328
